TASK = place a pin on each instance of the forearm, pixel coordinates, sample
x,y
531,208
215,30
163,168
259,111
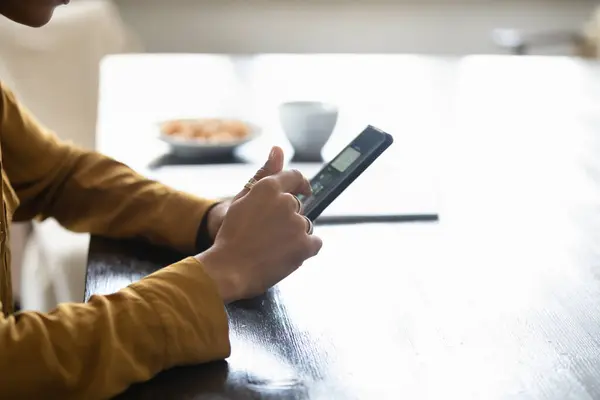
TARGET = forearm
x,y
99,195
87,192
96,350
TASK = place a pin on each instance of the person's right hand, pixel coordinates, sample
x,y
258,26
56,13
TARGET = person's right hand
x,y
263,239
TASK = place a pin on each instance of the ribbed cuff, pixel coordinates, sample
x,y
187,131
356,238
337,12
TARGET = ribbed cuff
x,y
203,239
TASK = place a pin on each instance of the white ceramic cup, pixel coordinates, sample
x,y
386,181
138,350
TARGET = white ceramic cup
x,y
308,126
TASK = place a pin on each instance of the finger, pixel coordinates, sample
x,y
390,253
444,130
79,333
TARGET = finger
x,y
306,189
311,245
275,162
300,205
315,245
272,166
309,225
291,181
293,203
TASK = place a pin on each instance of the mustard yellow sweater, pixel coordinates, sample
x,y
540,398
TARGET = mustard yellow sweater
x,y
96,350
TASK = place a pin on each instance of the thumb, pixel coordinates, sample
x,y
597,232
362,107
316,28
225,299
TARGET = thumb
x,y
274,165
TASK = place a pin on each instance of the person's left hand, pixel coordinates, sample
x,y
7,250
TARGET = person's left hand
x,y
273,166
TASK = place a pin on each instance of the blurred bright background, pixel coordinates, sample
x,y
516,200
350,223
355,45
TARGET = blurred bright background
x,y
368,26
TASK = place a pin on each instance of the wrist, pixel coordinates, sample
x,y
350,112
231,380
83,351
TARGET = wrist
x,y
217,268
215,218
204,239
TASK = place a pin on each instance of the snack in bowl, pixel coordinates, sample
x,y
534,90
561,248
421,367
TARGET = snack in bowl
x,y
209,130
206,137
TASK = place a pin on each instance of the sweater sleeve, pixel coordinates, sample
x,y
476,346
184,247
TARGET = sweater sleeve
x,y
88,192
96,350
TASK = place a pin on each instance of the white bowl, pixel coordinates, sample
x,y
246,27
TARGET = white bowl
x,y
198,148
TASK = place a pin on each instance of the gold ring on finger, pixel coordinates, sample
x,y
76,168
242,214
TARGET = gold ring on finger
x,y
250,184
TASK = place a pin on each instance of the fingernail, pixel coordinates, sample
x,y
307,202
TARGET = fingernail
x,y
272,153
309,185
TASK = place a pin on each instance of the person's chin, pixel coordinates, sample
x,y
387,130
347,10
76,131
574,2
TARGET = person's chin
x,y
38,20
34,20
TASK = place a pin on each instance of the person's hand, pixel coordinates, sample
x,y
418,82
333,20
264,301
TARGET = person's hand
x,y
217,214
263,238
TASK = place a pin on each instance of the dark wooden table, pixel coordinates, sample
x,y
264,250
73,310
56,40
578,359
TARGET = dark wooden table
x,y
500,299
315,335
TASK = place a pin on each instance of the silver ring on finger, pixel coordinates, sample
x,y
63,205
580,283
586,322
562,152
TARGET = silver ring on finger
x,y
299,204
310,228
